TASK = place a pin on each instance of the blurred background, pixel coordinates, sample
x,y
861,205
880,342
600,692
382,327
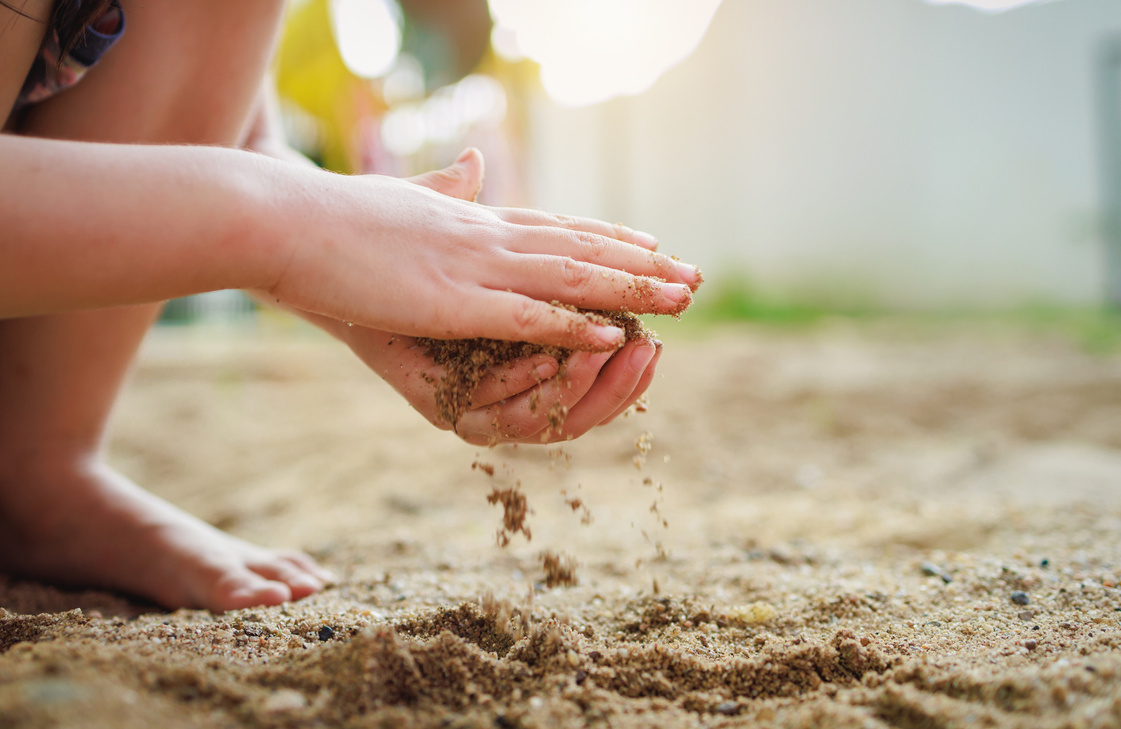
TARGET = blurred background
x,y
810,155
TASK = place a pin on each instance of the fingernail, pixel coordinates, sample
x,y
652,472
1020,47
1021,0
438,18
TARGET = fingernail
x,y
658,344
641,356
677,293
611,337
547,369
463,155
646,240
689,274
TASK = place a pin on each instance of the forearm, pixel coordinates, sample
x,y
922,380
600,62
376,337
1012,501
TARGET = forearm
x,y
91,225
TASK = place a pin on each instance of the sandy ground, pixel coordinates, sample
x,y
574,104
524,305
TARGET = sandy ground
x,y
868,526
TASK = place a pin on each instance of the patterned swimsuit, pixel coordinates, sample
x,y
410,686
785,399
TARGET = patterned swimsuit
x,y
47,76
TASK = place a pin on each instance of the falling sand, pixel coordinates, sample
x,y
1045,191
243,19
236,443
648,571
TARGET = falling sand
x,y
464,362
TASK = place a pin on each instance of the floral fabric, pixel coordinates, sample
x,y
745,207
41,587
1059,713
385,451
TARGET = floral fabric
x,y
47,76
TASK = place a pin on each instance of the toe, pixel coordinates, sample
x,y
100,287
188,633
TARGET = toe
x,y
309,565
300,583
243,588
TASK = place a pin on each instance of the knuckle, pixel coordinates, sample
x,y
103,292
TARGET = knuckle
x,y
594,246
529,314
563,221
577,275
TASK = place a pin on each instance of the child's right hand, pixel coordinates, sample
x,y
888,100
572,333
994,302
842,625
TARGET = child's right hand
x,y
512,402
395,256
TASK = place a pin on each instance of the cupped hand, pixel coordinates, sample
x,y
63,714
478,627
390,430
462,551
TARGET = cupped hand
x,y
596,388
397,256
524,401
518,401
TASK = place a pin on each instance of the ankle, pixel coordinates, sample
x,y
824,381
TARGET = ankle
x,y
45,459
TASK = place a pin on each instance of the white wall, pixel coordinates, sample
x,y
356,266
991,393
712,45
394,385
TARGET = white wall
x,y
872,150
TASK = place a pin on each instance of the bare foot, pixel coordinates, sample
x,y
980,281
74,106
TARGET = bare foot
x,y
86,525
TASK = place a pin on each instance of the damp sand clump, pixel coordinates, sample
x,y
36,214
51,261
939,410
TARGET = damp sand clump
x,y
465,361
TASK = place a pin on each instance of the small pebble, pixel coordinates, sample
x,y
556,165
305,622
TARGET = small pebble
x,y
326,633
930,569
1020,597
727,708
1026,615
1030,644
1044,562
285,700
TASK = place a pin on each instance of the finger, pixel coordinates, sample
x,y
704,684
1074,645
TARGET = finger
x,y
462,180
618,231
641,388
590,286
604,250
512,379
523,418
614,388
517,318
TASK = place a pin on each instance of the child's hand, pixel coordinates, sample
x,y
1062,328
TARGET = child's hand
x,y
512,403
395,256
596,388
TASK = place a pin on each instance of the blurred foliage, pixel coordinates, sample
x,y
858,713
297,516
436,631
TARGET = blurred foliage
x,y
737,299
311,73
1096,330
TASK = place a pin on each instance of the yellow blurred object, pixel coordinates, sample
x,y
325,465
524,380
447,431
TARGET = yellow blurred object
x,y
311,74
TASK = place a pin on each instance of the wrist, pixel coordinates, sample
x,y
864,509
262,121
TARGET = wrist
x,y
260,240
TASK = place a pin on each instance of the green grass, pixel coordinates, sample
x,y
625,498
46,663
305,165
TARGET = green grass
x,y
737,300
1096,330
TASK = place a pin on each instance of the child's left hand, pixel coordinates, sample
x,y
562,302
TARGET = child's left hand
x,y
597,387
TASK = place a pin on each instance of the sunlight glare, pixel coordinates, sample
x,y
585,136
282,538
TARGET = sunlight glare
x,y
368,35
989,6
592,50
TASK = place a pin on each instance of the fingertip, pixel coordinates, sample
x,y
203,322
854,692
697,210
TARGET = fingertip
x,y
642,354
546,368
606,337
645,240
691,275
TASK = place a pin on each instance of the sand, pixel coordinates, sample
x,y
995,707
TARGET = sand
x,y
853,526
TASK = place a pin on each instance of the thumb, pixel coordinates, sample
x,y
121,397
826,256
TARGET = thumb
x,y
463,179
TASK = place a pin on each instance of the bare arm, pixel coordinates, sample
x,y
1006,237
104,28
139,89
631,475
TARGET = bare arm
x,y
91,225
94,225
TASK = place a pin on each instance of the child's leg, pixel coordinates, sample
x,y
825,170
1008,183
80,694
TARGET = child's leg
x,y
184,72
66,517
